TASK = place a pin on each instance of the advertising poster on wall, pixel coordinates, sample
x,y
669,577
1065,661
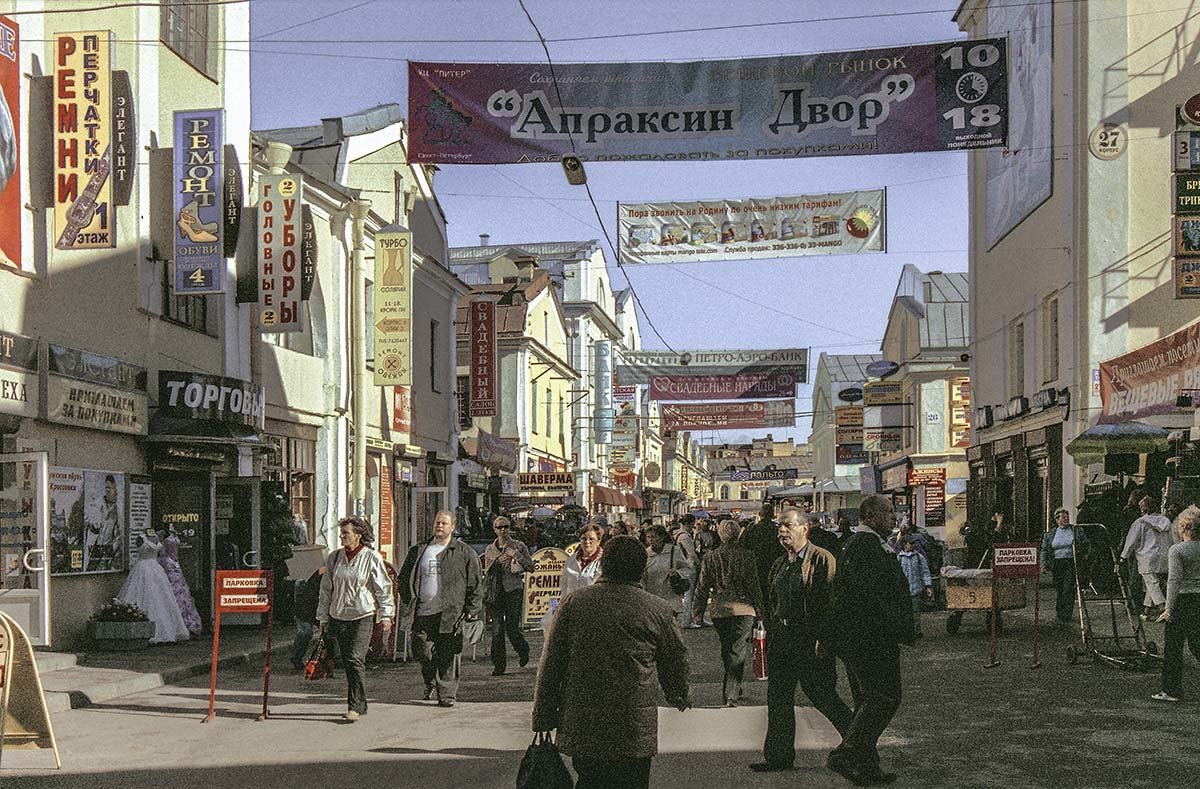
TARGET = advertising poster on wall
x,y
279,238
199,215
960,412
141,518
482,327
84,213
924,97
87,521
1145,382
692,232
10,136
393,309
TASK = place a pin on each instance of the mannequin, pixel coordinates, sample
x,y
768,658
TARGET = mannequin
x,y
147,587
169,559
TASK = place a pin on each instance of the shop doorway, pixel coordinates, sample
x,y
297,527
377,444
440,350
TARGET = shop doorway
x,y
24,537
181,506
426,503
237,542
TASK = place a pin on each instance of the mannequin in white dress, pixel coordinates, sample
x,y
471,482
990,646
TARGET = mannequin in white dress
x,y
149,589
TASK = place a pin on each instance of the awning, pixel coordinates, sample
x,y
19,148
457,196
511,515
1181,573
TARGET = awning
x,y
605,495
634,502
1122,438
840,485
171,430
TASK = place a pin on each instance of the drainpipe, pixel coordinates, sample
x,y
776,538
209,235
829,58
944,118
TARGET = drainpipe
x,y
360,404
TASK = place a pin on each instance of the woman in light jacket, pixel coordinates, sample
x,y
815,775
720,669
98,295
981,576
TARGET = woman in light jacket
x,y
1061,546
583,567
355,590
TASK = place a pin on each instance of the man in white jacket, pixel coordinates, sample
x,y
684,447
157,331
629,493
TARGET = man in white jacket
x,y
1149,539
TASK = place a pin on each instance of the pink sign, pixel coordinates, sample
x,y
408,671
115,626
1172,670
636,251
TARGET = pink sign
x,y
723,387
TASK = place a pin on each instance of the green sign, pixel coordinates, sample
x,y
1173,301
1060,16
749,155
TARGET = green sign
x,y
1187,193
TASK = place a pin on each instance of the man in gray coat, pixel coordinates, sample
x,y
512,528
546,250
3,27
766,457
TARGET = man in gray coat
x,y
611,644
441,579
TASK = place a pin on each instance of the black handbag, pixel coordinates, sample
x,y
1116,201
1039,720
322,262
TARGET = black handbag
x,y
542,766
493,587
678,584
317,662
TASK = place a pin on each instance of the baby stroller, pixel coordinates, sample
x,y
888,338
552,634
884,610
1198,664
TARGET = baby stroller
x,y
1109,633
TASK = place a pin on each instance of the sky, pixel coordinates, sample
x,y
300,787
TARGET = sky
x,y
351,54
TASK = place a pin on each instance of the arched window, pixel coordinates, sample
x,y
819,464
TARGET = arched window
x,y
600,295
724,492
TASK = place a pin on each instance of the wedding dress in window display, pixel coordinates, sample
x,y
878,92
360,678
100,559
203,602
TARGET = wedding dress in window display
x,y
148,588
169,559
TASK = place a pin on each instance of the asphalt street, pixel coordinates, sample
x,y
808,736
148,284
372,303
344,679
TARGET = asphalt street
x,y
961,725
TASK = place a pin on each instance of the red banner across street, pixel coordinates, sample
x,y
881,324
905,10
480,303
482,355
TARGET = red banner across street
x,y
723,387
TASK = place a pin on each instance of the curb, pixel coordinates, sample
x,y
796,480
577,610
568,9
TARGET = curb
x,y
95,690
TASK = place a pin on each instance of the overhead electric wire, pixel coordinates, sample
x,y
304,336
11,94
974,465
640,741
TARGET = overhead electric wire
x,y
120,7
570,136
314,19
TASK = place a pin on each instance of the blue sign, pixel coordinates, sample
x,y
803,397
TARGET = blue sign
x,y
199,216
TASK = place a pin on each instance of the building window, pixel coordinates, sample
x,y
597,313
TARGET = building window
x,y
549,413
725,492
533,408
562,433
463,394
189,311
745,494
434,352
187,28
1016,358
1050,339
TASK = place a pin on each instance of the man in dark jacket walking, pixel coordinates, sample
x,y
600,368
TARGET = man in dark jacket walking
x,y
872,616
612,644
440,579
799,628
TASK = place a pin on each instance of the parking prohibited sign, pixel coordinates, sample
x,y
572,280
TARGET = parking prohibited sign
x,y
1015,560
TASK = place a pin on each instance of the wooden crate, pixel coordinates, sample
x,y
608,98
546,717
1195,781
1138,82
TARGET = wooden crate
x,y
972,596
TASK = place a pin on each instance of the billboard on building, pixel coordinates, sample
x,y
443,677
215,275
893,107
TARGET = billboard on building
x,y
279,305
402,411
843,223
10,145
482,328
637,367
18,375
85,216
199,213
882,393
960,412
88,390
924,97
723,387
393,308
1020,175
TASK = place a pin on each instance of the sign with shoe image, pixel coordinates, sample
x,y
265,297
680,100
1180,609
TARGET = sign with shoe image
x,y
199,202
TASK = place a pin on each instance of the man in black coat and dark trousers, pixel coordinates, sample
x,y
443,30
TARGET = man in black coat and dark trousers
x,y
762,541
872,615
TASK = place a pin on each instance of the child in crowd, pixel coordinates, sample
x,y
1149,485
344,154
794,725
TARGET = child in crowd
x,y
920,584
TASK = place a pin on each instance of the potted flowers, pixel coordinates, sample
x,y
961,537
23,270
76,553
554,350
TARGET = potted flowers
x,y
120,626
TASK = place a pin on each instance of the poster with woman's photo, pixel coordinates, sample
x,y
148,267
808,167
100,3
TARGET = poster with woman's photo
x,y
87,521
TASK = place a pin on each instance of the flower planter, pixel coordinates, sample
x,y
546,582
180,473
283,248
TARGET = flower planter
x,y
120,636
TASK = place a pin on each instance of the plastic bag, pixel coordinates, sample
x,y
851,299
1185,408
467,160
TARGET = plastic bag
x,y
542,766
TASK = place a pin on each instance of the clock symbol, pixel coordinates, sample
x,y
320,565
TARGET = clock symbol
x,y
971,87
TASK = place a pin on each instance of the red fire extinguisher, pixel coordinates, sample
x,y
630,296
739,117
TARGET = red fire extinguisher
x,y
758,641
